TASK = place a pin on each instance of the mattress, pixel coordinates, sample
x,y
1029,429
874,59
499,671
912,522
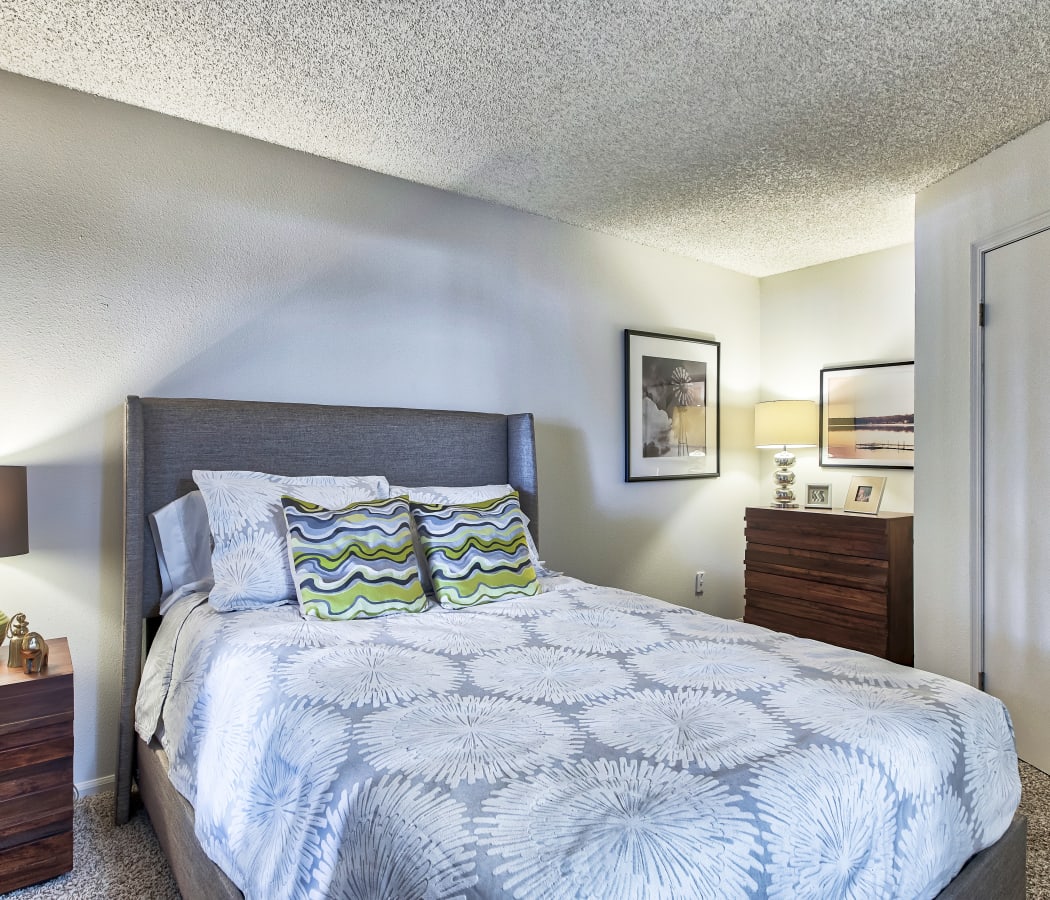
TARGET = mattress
x,y
585,742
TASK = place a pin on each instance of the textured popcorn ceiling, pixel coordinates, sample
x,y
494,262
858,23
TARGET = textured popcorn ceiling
x,y
761,136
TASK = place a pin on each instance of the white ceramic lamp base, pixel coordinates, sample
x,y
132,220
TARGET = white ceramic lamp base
x,y
783,478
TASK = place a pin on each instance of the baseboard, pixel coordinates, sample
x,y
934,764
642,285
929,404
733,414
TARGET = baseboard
x,y
96,785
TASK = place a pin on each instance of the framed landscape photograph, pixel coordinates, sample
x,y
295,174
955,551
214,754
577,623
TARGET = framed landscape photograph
x,y
671,388
867,416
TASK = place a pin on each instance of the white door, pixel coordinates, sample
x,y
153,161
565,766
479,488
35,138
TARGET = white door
x,y
1017,488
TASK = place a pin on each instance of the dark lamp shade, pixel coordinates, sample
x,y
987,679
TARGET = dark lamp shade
x,y
14,511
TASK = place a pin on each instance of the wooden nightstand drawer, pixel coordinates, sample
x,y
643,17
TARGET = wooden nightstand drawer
x,y
36,771
38,777
36,815
35,861
33,704
34,745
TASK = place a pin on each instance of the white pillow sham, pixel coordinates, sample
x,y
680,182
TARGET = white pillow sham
x,y
248,530
183,542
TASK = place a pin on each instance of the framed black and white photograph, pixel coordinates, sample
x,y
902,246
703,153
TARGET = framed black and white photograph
x,y
671,386
865,494
867,416
818,496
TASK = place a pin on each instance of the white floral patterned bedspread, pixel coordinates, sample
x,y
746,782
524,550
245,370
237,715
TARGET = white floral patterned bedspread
x,y
586,742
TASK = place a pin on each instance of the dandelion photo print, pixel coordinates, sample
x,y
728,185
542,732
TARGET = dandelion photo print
x,y
671,385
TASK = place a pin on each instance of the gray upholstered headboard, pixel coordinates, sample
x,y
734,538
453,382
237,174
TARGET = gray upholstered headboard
x,y
165,440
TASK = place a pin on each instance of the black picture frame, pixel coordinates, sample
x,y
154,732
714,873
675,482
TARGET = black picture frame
x,y
867,416
671,406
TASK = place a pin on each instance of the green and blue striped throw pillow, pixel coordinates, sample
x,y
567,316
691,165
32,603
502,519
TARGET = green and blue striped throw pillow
x,y
354,562
476,552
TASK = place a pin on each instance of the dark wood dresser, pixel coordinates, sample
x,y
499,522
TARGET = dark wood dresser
x,y
36,770
842,578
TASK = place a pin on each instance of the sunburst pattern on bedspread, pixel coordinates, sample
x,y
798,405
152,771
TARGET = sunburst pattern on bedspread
x,y
583,742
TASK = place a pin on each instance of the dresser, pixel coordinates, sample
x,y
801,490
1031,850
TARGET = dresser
x,y
36,770
842,578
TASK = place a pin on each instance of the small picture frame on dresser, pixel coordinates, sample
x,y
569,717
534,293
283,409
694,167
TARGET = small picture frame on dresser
x,y
865,494
818,496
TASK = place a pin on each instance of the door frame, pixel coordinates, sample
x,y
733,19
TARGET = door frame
x,y
979,250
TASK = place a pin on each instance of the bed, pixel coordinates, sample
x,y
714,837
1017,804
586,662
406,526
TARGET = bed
x,y
166,439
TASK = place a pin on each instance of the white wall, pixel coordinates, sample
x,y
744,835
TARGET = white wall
x,y
1007,187
141,254
852,311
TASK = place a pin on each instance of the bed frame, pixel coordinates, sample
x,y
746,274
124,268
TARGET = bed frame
x,y
165,439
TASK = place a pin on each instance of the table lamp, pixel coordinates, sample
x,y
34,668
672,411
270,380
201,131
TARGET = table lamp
x,y
14,520
784,424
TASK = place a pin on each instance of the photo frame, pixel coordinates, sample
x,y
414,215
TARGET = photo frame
x,y
671,406
867,416
865,494
818,496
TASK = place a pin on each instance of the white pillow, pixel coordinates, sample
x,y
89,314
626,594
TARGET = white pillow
x,y
445,496
250,553
183,542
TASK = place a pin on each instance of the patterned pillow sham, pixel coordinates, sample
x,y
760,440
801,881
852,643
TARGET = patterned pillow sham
x,y
354,562
476,552
249,553
443,496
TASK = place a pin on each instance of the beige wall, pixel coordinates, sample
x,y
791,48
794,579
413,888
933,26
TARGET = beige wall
x,y
1003,189
852,311
142,254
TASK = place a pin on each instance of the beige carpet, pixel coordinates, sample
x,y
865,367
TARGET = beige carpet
x,y
113,863
1035,803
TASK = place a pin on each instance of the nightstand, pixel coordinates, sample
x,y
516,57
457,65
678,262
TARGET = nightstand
x,y
36,770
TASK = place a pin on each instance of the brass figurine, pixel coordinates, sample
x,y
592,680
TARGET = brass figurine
x,y
17,630
34,650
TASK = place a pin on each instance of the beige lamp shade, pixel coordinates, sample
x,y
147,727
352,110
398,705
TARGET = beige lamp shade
x,y
786,423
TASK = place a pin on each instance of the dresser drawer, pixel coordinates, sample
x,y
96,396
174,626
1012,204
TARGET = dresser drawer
x,y
864,637
815,565
845,535
832,613
803,591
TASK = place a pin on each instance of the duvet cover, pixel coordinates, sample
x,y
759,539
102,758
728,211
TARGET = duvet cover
x,y
585,742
